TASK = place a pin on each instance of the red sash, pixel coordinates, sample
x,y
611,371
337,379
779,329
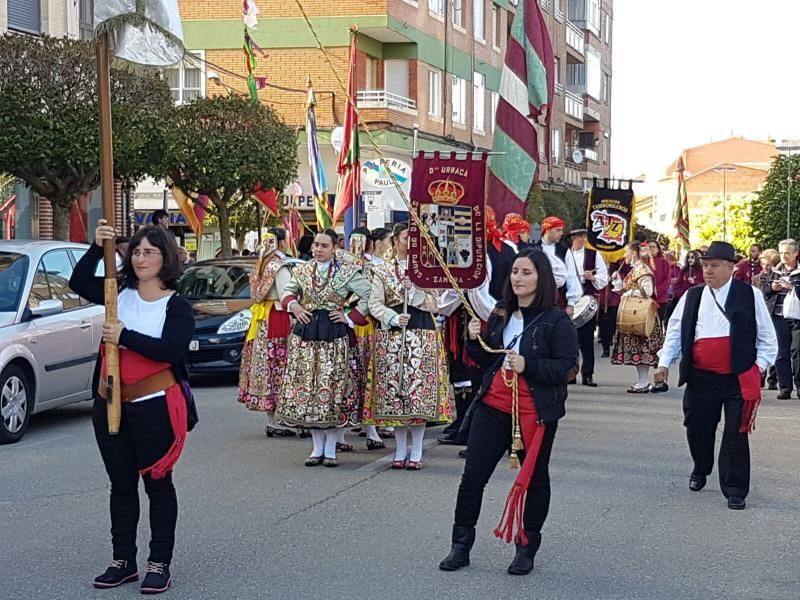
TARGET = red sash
x,y
714,354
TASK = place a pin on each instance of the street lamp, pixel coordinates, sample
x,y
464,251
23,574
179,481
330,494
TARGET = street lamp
x,y
725,170
789,147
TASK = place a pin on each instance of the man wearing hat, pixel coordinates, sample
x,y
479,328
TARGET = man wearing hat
x,y
570,292
593,274
726,339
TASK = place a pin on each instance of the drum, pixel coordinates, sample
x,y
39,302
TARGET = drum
x,y
585,310
637,316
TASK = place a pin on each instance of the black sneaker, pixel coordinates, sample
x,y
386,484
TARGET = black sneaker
x,y
117,573
157,579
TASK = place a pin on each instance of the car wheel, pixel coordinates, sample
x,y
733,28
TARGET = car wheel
x,y
15,404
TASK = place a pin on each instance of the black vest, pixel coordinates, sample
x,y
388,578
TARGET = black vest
x,y
740,306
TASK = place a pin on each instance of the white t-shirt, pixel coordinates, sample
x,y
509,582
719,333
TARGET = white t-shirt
x,y
143,317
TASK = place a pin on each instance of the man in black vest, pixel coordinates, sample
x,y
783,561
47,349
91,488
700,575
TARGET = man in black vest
x,y
570,290
725,337
591,269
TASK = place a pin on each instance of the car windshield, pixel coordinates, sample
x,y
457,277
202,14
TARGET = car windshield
x,y
216,281
13,269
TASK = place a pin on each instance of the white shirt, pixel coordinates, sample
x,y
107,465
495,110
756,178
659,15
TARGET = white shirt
x,y
712,323
143,317
513,328
574,289
601,271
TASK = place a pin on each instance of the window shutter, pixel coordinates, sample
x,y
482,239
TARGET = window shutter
x,y
25,15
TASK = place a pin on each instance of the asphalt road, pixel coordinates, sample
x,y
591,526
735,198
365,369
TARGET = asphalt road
x,y
255,523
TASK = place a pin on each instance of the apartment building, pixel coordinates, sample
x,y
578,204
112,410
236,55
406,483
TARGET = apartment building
x,y
430,64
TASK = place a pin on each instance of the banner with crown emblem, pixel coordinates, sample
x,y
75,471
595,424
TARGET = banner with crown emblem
x,y
609,219
448,195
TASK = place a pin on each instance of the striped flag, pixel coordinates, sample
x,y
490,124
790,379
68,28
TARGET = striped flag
x,y
319,183
349,185
682,207
527,84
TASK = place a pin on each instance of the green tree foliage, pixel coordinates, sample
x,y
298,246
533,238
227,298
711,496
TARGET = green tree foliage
x,y
569,206
707,223
768,211
223,147
49,132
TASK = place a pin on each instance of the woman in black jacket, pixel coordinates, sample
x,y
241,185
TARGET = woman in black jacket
x,y
153,332
542,347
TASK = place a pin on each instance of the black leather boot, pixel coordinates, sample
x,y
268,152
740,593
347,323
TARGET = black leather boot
x,y
523,560
463,539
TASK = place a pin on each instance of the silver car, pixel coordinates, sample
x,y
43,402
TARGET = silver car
x,y
49,336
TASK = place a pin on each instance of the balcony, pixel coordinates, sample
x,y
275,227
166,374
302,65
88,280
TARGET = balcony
x,y
559,13
545,4
590,113
559,89
573,177
587,154
575,38
385,99
573,106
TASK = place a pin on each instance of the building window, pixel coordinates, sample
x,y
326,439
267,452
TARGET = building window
x,y
458,13
497,38
495,102
188,81
604,144
436,7
605,90
459,100
371,73
594,16
557,69
555,150
434,93
609,27
86,19
479,19
25,15
478,102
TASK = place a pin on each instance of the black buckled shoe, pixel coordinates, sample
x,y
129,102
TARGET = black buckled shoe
x,y
697,482
588,381
463,539
736,503
784,395
117,573
523,560
158,578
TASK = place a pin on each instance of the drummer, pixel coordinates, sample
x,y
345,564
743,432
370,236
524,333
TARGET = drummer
x,y
593,273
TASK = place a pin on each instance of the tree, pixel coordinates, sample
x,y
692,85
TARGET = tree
x,y
223,147
707,223
569,206
768,211
49,132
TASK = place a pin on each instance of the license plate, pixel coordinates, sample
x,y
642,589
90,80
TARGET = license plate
x,y
194,345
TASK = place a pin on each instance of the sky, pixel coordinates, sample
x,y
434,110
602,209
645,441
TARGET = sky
x,y
687,72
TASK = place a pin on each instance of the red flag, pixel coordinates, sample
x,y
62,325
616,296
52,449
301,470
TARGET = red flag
x,y
268,198
349,167
78,216
682,207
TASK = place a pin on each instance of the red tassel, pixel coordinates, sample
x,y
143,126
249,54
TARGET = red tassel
x,y
176,406
511,523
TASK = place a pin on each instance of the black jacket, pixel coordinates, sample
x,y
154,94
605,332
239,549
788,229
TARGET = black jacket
x,y
173,345
771,296
550,349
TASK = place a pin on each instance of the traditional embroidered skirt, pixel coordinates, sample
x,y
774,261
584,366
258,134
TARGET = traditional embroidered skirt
x,y
316,390
361,365
637,350
264,357
417,393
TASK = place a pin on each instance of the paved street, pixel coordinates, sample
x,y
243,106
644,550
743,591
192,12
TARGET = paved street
x,y
256,524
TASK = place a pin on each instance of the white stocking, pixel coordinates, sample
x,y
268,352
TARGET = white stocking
x,y
318,437
331,437
340,435
644,375
401,441
417,437
372,433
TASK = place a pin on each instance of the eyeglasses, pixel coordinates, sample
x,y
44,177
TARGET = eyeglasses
x,y
148,254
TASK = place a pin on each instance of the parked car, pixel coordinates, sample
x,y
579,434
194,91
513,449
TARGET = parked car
x,y
49,336
219,291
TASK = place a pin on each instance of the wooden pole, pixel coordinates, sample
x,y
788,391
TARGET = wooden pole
x,y
112,382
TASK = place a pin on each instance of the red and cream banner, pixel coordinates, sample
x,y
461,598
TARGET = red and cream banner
x,y
448,195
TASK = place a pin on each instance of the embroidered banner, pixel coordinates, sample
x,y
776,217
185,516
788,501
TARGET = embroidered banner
x,y
448,195
609,219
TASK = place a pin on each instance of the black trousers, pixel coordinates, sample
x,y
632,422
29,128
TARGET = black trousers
x,y
608,327
489,440
586,344
706,396
787,364
145,435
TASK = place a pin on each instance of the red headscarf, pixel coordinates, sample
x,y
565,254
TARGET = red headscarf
x,y
513,225
551,223
493,233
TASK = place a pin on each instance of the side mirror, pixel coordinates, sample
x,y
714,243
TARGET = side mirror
x,y
45,308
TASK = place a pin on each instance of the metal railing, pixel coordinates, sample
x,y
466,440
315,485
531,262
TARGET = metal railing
x,y
573,177
560,89
559,13
545,4
575,38
573,105
384,99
